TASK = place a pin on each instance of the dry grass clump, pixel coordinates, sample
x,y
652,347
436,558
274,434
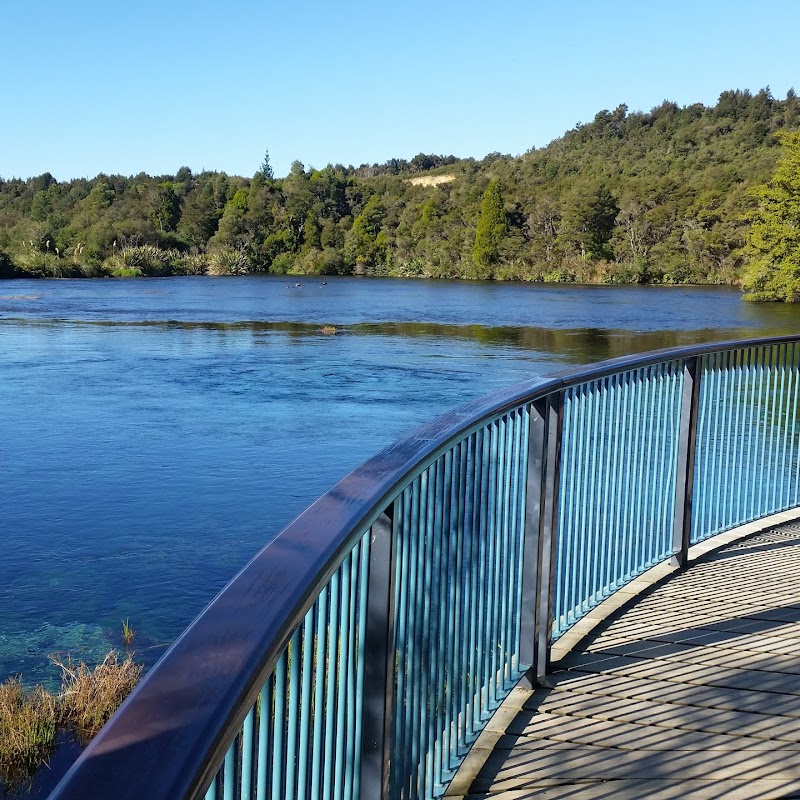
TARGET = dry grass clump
x,y
89,697
27,729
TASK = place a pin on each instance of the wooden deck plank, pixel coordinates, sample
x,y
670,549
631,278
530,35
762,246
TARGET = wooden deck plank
x,y
692,690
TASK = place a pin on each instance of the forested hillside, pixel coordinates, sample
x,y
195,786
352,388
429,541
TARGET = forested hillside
x,y
661,196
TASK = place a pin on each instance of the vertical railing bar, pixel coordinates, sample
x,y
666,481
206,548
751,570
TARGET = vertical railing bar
x,y
475,590
549,532
360,642
793,422
376,638
331,676
414,638
341,674
506,589
516,501
589,551
427,666
353,702
684,484
320,631
462,599
248,735
398,749
737,410
788,428
264,738
716,464
776,503
534,499
293,696
437,626
769,421
473,472
447,595
520,505
279,725
578,528
456,666
562,545
600,464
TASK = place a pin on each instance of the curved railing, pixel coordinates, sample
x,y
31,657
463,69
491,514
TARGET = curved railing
x,y
361,652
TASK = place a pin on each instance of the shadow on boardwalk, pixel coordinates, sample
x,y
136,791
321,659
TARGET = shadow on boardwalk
x,y
691,690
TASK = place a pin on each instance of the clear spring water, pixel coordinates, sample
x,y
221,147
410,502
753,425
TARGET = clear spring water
x,y
154,434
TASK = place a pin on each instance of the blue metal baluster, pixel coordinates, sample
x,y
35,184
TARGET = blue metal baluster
x,y
611,424
307,659
229,773
591,545
720,415
732,444
791,397
293,696
332,679
599,499
771,421
562,548
764,425
483,611
776,476
247,755
473,594
719,458
397,742
498,459
320,669
342,675
358,708
266,736
425,707
436,628
399,746
663,485
655,551
581,474
279,727
630,475
737,418
455,664
751,432
446,618
613,469
792,425
490,663
637,469
418,698
724,442
501,561
519,470
672,464
353,704
463,599
211,792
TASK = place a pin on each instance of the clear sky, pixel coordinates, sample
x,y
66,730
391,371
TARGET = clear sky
x,y
146,85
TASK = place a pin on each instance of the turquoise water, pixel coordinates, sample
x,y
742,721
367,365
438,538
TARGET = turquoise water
x,y
154,434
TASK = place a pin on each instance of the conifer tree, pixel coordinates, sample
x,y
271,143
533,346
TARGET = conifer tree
x,y
773,241
490,231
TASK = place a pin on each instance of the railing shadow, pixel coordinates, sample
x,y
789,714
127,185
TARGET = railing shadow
x,y
658,715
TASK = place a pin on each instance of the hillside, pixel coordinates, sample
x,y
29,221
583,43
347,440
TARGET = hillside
x,y
658,196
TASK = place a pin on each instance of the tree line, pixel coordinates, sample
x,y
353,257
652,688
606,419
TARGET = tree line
x,y
665,196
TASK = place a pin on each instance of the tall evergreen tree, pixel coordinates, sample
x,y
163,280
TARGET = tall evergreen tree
x,y
773,241
265,170
490,231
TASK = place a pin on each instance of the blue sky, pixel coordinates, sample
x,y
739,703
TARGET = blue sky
x,y
93,86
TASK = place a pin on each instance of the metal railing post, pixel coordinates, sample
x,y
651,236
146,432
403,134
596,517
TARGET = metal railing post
x,y
684,474
544,461
379,669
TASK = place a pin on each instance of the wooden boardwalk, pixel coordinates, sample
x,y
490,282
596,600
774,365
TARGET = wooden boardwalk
x,y
691,690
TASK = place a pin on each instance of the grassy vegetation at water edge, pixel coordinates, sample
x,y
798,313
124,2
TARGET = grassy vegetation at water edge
x,y
30,720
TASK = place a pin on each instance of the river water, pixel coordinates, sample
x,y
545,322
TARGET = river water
x,y
155,433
